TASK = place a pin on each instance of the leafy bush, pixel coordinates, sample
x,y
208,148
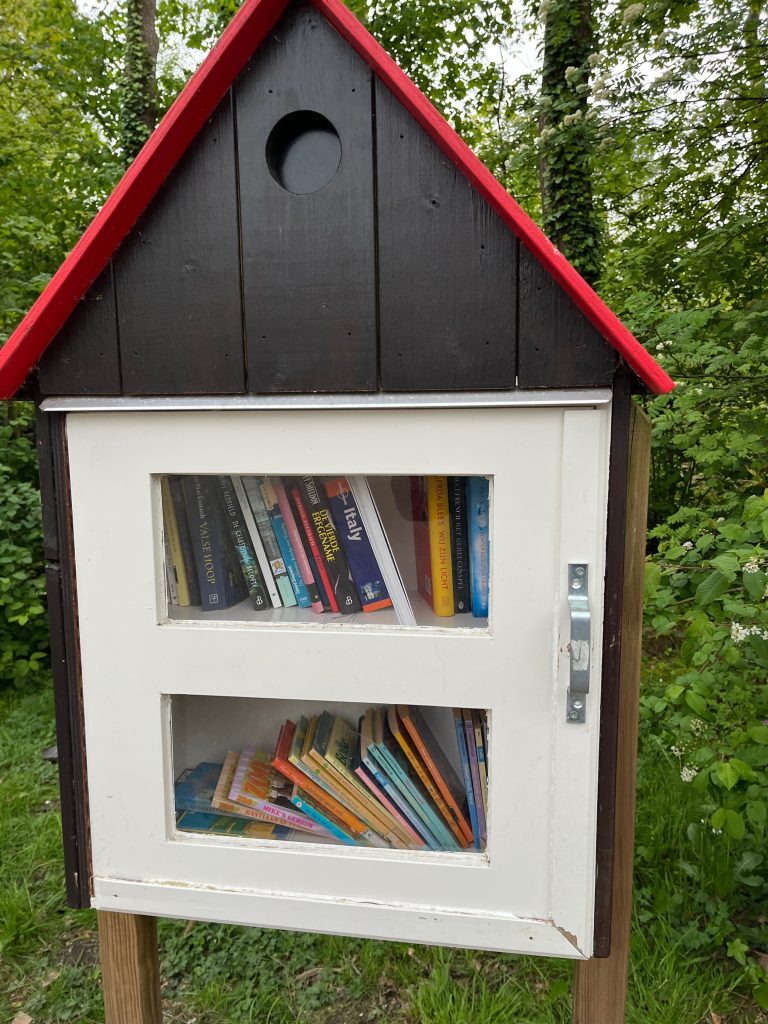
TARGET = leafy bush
x,y
23,626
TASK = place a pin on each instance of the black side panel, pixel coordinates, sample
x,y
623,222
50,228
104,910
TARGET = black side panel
x,y
65,657
84,358
558,346
178,277
308,259
447,267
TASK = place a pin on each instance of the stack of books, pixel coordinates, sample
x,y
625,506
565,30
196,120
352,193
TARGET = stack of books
x,y
388,784
319,543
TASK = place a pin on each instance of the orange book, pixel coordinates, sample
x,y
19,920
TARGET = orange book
x,y
398,731
438,765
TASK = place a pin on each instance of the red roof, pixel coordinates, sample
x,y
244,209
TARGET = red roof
x,y
186,117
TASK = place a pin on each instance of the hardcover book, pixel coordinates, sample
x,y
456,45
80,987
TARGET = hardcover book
x,y
479,543
350,527
457,509
243,545
221,583
326,547
432,542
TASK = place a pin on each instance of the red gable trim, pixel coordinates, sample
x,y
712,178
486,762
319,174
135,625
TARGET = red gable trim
x,y
186,117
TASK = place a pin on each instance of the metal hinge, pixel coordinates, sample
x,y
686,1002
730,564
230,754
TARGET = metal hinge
x,y
579,644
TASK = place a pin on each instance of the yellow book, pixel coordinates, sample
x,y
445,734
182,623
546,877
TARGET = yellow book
x,y
174,543
440,544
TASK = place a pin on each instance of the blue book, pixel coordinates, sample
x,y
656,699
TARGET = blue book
x,y
394,762
280,531
219,824
366,574
461,739
312,812
479,544
195,788
219,576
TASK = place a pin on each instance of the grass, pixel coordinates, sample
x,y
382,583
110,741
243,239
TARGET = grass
x,y
218,973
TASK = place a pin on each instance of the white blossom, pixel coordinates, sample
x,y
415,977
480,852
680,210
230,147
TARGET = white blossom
x,y
677,751
697,726
688,772
687,544
572,74
573,118
740,633
632,13
753,565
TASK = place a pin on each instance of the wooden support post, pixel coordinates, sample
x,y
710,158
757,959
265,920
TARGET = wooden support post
x,y
129,968
600,986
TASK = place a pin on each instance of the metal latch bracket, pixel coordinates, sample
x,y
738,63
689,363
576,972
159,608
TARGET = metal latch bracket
x,y
580,642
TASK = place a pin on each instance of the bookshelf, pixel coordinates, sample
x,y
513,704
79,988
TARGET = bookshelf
x,y
400,573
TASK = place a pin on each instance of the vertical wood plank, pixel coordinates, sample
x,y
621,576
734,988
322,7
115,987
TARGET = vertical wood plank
x,y
84,357
67,669
129,968
308,260
600,985
178,277
447,267
557,345
47,484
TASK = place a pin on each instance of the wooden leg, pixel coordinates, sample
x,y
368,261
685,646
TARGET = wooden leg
x,y
129,968
600,986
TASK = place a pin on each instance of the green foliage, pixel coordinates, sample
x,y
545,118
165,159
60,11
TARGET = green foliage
x,y
23,626
138,110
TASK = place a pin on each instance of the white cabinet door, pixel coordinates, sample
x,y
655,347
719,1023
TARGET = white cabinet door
x,y
531,890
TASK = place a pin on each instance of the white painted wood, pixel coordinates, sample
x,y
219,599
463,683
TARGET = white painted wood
x,y
536,869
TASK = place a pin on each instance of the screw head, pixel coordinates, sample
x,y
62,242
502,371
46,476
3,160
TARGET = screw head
x,y
576,585
573,715
578,705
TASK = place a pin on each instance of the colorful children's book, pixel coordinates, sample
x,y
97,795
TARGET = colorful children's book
x,y
195,788
220,825
302,802
173,541
218,573
350,528
408,748
438,765
457,507
474,770
256,785
316,793
241,541
479,543
261,524
403,775
379,793
185,539
461,740
432,542
371,765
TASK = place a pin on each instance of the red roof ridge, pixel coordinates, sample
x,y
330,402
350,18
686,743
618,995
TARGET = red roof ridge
x,y
185,118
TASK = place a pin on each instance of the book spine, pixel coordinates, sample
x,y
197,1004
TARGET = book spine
x,y
418,801
317,559
257,543
350,527
219,584
482,763
474,771
280,530
422,553
171,579
384,800
479,543
328,544
241,541
298,547
174,544
457,506
440,544
185,538
254,491
461,740
325,823
381,776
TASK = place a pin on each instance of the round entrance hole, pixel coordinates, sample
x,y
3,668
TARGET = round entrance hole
x,y
303,152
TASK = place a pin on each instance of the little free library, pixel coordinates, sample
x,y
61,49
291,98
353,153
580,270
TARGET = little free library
x,y
344,500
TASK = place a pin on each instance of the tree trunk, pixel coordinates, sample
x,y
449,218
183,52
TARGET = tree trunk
x,y
139,99
565,135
